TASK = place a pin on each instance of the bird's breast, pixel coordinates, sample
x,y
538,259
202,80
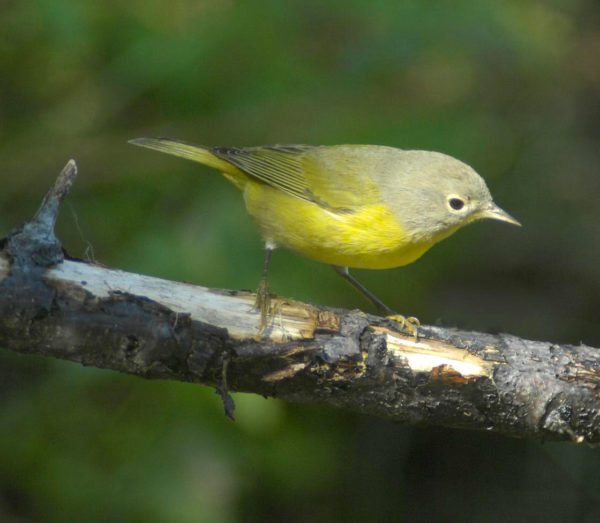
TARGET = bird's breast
x,y
370,237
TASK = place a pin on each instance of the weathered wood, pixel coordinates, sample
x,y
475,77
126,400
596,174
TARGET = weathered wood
x,y
156,328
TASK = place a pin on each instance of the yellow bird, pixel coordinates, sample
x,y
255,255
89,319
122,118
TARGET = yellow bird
x,y
350,206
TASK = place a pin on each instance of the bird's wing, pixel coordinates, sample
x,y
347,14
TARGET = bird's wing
x,y
333,177
344,176
277,165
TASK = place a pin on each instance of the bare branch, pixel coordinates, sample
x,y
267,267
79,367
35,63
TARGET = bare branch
x,y
162,329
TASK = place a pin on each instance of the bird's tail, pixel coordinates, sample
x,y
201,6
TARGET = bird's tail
x,y
196,153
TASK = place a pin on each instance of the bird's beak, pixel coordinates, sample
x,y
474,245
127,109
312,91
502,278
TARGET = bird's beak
x,y
495,213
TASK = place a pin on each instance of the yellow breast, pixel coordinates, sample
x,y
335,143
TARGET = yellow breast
x,y
370,238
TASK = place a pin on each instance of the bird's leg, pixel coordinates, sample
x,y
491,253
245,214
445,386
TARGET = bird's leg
x,y
411,324
263,298
382,308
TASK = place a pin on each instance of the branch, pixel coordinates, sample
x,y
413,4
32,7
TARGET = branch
x,y
155,328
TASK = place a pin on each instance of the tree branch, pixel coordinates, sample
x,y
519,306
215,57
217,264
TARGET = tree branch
x,y
155,328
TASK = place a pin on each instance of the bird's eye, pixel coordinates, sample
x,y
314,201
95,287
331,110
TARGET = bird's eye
x,y
456,203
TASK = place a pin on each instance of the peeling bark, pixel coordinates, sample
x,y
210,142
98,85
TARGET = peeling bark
x,y
155,328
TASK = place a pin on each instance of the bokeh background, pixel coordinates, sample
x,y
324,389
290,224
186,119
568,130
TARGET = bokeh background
x,y
510,87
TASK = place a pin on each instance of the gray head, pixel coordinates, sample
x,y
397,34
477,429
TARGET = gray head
x,y
433,194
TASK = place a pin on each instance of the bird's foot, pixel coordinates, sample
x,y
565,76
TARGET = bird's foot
x,y
263,305
409,324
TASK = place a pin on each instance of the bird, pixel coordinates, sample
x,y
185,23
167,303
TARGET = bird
x,y
349,206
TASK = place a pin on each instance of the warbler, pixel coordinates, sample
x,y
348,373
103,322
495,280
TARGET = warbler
x,y
350,206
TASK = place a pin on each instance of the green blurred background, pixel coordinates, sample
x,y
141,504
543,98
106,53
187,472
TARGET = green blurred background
x,y
511,87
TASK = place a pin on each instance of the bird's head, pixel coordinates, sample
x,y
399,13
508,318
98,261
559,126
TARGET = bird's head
x,y
433,195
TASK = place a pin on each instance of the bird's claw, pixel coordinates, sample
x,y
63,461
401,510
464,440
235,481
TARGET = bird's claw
x,y
263,304
410,323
